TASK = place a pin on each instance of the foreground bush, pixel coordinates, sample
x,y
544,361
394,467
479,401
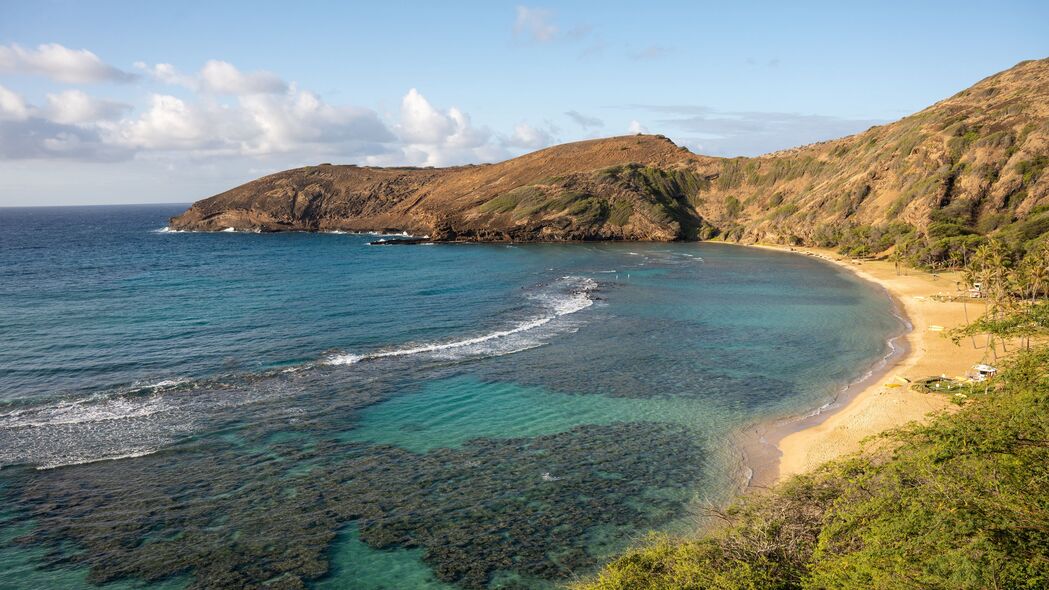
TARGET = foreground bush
x,y
959,503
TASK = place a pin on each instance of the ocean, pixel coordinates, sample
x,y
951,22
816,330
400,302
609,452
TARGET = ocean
x,y
190,410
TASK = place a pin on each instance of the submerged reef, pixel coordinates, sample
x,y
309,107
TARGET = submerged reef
x,y
251,513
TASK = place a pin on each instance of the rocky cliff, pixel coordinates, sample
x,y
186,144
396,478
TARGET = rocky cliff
x,y
973,163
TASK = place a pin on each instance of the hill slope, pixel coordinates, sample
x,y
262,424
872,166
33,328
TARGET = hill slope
x,y
973,163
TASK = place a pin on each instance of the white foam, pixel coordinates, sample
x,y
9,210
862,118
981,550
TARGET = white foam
x,y
83,460
167,383
83,411
556,306
229,229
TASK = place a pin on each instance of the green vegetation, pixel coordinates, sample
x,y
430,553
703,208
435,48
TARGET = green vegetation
x,y
621,212
1011,286
614,196
863,240
762,174
783,211
949,240
907,144
667,195
1031,170
960,503
531,200
509,201
732,206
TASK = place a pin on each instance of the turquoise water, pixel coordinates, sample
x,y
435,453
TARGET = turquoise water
x,y
242,410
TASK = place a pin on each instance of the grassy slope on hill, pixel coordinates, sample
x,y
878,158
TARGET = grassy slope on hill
x,y
960,503
931,184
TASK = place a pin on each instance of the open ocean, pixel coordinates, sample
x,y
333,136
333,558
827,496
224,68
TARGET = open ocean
x,y
242,410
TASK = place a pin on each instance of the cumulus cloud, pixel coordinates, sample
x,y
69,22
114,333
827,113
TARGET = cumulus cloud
x,y
435,137
76,107
37,138
12,106
246,115
528,137
59,63
222,78
218,77
74,125
256,125
301,118
28,132
167,74
173,124
636,127
584,121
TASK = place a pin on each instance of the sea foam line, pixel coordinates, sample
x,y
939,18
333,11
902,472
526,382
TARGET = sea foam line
x,y
579,300
86,460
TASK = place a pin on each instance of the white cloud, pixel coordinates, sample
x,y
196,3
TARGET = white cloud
x,y
12,106
432,137
301,118
222,78
584,121
535,24
636,127
75,107
28,132
298,121
172,124
37,138
242,116
167,74
529,137
218,77
421,122
270,116
59,63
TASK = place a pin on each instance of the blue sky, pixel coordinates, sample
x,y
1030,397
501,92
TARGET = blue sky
x,y
118,102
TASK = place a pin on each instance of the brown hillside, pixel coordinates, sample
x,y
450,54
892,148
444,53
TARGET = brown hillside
x,y
970,164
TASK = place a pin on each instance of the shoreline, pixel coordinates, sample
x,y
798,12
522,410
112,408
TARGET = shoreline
x,y
879,400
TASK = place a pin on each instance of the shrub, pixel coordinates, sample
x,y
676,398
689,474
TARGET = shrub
x,y
960,503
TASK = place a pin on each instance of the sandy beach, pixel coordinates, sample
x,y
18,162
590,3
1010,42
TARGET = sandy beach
x,y
883,399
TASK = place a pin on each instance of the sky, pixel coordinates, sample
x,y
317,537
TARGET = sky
x,y
148,102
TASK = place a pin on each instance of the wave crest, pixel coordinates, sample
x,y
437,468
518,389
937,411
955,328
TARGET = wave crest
x,y
566,296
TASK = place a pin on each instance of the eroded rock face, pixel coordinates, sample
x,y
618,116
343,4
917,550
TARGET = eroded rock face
x,y
979,155
472,203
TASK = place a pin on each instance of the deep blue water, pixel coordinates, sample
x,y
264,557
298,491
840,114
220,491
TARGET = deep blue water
x,y
214,410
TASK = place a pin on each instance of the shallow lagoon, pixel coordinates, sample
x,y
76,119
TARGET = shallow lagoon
x,y
305,409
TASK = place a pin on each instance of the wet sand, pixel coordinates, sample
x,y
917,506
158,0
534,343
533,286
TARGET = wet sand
x,y
883,399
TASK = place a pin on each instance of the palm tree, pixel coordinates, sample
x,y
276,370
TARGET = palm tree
x,y
1037,270
897,258
991,266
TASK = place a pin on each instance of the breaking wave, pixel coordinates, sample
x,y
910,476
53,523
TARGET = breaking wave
x,y
567,296
142,418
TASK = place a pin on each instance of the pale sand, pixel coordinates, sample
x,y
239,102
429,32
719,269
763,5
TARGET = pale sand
x,y
796,445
